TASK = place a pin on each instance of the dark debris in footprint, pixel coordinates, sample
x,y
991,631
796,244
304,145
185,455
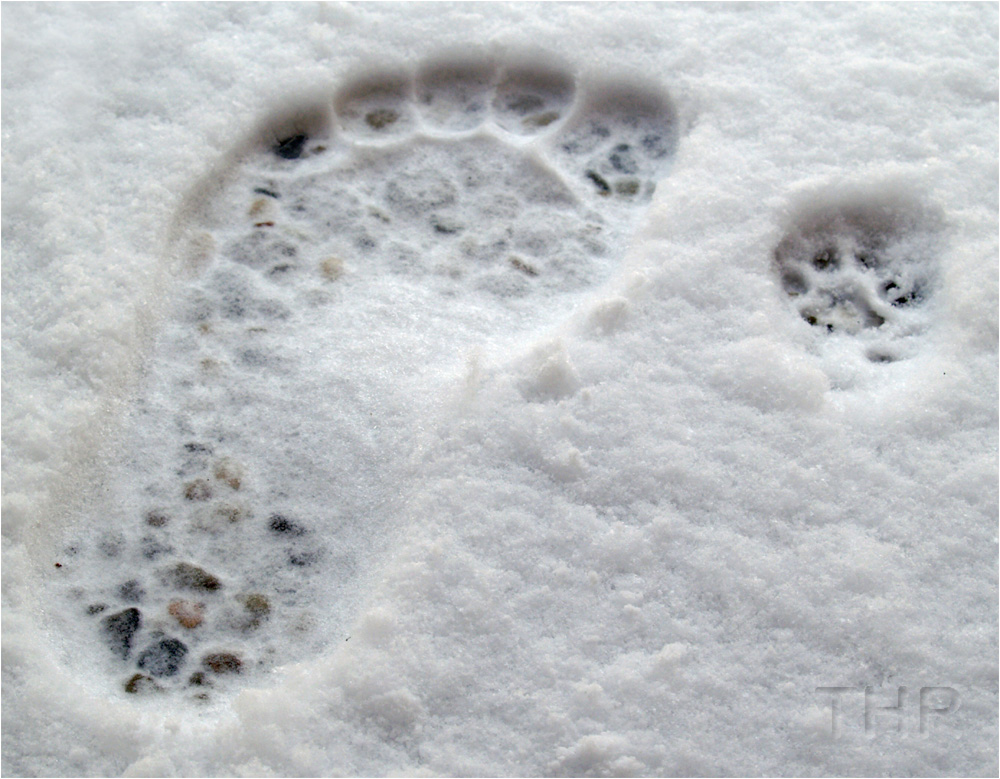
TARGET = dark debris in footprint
x,y
157,518
827,259
119,630
188,614
222,663
199,489
284,526
164,658
656,146
302,559
291,148
141,684
518,264
623,160
445,226
151,548
257,609
191,577
603,187
131,591
899,297
627,187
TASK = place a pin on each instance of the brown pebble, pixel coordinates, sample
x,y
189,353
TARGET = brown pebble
x,y
192,577
199,489
332,268
258,607
140,683
222,663
188,613
229,472
257,604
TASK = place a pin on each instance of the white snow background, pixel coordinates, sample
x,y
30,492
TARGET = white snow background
x,y
633,542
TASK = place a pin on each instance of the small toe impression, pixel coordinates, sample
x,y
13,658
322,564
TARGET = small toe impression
x,y
622,137
455,94
530,98
375,107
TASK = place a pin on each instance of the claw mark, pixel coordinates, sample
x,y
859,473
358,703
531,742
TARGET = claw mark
x,y
603,188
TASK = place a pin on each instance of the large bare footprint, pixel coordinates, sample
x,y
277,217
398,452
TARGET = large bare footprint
x,y
344,263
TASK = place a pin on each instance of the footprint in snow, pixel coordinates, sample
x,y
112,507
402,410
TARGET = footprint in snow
x,y
355,250
861,268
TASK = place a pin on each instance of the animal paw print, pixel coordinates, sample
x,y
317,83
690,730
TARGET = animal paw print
x,y
863,269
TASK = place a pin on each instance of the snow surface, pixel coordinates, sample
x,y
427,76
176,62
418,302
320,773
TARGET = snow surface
x,y
629,528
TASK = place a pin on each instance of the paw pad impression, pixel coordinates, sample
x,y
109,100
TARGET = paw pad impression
x,y
863,267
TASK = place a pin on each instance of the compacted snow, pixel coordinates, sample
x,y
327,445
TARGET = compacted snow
x,y
568,389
